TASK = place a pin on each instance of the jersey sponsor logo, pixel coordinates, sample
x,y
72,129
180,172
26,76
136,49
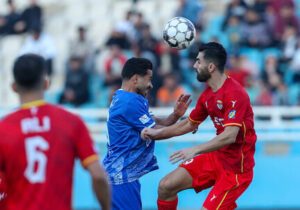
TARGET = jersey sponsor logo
x,y
233,103
144,119
219,104
232,114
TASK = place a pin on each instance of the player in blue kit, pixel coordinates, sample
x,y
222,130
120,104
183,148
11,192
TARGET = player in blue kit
x,y
129,157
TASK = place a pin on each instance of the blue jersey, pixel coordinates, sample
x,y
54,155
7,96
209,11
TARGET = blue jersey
x,y
128,156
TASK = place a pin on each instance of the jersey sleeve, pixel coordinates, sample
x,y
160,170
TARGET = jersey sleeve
x,y
84,145
138,115
235,108
199,113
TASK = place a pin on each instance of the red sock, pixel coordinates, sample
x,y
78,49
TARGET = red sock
x,y
167,205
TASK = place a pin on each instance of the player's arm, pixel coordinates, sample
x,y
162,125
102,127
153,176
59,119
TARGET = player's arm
x,y
177,129
100,184
180,107
228,136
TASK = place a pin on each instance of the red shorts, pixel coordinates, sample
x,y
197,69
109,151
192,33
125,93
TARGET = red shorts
x,y
2,191
227,186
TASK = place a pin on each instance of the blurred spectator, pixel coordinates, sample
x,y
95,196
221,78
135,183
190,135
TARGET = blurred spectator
x,y
271,73
193,50
265,97
139,25
77,84
276,5
249,66
11,23
236,72
32,16
255,31
41,44
235,8
118,37
127,26
260,7
113,69
82,48
285,17
169,92
233,31
190,9
289,43
295,64
168,60
148,42
281,96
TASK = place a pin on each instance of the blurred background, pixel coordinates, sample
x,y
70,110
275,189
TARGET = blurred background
x,y
86,43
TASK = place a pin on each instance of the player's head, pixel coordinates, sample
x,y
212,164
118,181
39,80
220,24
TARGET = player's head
x,y
211,57
138,72
30,74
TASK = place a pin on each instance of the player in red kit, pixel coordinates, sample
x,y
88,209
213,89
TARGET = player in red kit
x,y
226,162
39,143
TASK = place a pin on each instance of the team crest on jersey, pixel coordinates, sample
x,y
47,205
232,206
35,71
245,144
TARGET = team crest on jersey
x,y
144,119
188,161
219,104
232,114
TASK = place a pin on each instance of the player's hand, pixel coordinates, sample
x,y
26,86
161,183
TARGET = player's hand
x,y
147,133
144,134
183,155
181,104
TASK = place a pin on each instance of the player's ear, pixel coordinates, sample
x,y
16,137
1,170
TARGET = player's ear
x,y
135,78
14,87
211,67
47,83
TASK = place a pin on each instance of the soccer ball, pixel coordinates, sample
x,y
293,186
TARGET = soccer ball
x,y
179,33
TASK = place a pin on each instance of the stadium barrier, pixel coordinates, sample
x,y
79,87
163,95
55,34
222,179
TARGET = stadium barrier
x,y
271,123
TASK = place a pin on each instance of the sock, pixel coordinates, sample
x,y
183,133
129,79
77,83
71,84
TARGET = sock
x,y
167,205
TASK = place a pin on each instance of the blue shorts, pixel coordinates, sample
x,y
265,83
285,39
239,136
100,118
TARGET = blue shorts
x,y
127,196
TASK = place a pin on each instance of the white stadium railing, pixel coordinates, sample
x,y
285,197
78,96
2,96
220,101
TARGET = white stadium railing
x,y
271,124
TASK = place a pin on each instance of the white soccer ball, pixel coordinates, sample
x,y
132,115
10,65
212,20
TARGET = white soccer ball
x,y
179,33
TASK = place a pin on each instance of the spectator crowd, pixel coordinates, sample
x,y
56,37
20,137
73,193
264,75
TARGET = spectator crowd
x,y
262,39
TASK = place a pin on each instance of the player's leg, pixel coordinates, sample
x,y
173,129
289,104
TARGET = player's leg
x,y
170,185
174,182
127,196
196,173
227,190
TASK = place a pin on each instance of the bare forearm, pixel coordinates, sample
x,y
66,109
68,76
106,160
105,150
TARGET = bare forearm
x,y
216,143
102,191
177,129
170,120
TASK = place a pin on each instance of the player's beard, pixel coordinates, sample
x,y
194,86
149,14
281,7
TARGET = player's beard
x,y
142,91
203,75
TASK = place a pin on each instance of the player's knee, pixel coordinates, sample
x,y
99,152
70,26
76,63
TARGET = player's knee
x,y
165,186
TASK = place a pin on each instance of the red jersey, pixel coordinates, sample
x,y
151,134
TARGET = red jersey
x,y
38,146
230,106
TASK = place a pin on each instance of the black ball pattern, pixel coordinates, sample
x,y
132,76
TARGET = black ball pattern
x,y
179,33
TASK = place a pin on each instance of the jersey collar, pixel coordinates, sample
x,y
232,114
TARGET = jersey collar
x,y
33,104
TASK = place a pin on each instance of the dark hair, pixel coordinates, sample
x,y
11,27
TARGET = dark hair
x,y
137,66
29,70
215,53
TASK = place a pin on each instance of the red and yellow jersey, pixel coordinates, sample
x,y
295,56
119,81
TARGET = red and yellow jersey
x,y
230,106
38,146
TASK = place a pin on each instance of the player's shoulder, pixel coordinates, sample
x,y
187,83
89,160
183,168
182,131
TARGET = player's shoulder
x,y
61,111
234,88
